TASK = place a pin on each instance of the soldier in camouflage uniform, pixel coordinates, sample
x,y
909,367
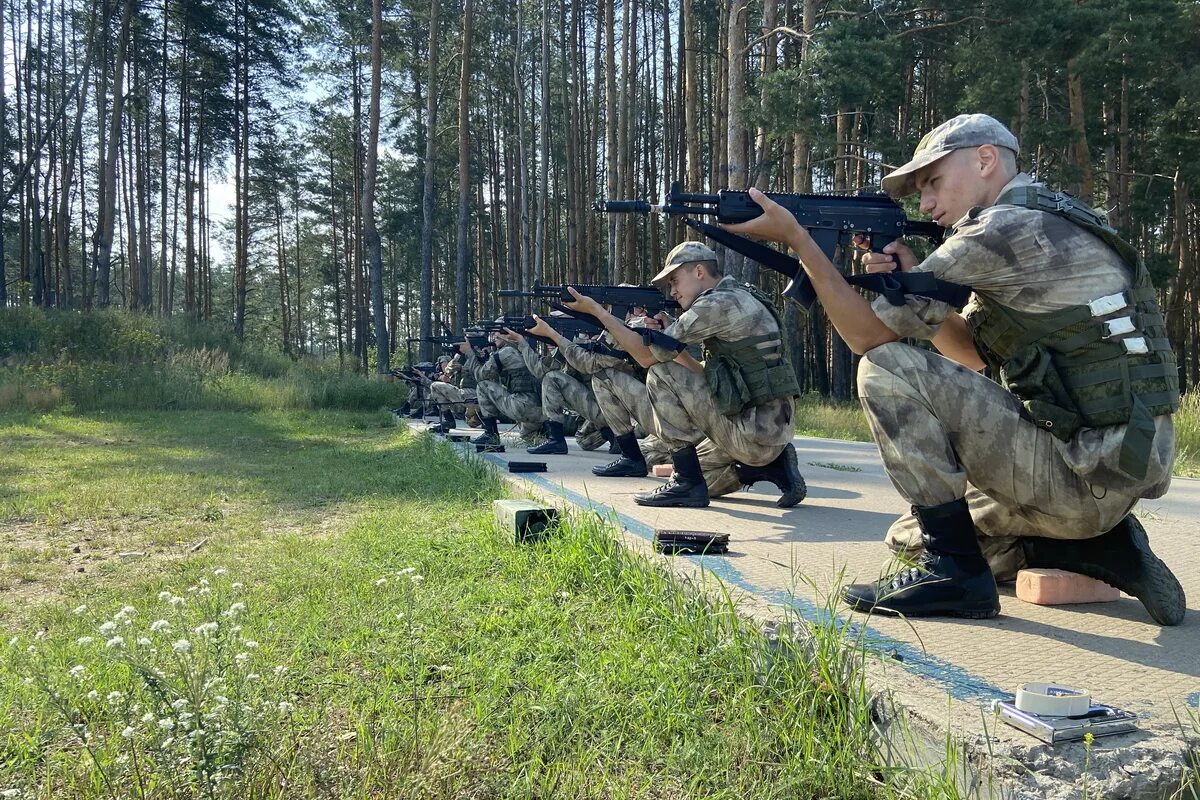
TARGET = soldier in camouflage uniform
x,y
1043,468
597,362
734,410
507,388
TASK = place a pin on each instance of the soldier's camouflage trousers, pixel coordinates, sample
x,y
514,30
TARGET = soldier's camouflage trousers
x,y
447,396
624,403
685,413
561,392
945,432
496,401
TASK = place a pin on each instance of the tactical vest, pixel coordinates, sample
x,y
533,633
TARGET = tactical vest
x,y
518,380
1108,362
751,371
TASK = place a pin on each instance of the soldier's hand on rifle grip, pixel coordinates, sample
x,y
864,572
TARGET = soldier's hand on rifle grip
x,y
776,223
542,328
583,303
893,253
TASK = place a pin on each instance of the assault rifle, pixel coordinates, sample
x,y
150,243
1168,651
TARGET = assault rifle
x,y
567,327
621,298
832,220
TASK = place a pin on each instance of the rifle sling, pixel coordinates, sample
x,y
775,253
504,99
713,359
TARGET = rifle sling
x,y
892,285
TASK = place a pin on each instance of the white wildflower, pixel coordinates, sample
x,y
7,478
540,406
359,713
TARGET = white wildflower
x,y
144,642
241,658
286,707
84,640
10,793
249,644
219,571
253,676
205,628
115,697
108,628
166,723
128,732
159,625
400,615
77,671
407,571
178,704
221,700
381,582
80,610
116,641
236,586
280,670
177,602
181,646
13,641
417,577
93,695
148,716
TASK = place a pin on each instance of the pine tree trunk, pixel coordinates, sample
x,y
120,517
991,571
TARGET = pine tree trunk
x,y
370,231
431,109
102,241
463,242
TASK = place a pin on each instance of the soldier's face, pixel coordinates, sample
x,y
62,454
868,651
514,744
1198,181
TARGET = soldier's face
x,y
952,186
686,284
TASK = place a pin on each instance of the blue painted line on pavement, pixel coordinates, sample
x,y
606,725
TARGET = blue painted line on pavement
x,y
958,682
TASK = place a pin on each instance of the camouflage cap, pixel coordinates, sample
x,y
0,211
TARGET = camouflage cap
x,y
682,253
965,130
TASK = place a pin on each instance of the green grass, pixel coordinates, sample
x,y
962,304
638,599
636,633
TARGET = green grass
x,y
564,669
87,361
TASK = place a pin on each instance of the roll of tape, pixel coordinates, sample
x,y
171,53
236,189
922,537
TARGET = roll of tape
x,y
1052,700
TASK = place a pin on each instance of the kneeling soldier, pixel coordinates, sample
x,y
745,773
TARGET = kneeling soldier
x,y
729,418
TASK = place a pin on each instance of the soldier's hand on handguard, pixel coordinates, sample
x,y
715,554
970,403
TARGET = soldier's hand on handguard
x,y
893,254
510,336
776,223
542,328
583,303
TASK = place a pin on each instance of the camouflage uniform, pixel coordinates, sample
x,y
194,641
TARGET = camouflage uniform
x,y
621,398
496,401
561,391
946,432
685,410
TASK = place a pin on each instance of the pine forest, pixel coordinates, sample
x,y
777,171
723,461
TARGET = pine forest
x,y
333,178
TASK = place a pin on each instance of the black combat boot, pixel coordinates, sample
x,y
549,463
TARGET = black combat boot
x,y
631,464
417,413
1121,557
685,489
950,579
555,444
447,424
490,435
784,472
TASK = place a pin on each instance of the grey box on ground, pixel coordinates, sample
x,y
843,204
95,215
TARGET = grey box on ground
x,y
527,520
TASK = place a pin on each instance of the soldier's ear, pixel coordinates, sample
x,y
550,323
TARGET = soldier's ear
x,y
988,158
